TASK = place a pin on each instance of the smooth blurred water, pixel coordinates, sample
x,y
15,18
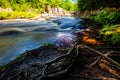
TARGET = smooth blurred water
x,y
17,37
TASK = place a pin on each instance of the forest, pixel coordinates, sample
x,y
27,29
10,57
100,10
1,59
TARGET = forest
x,y
31,8
25,5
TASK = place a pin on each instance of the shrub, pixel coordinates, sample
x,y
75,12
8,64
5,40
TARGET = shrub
x,y
4,3
111,33
2,15
110,18
21,7
14,15
107,16
48,44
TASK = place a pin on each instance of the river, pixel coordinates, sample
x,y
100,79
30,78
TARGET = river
x,y
17,37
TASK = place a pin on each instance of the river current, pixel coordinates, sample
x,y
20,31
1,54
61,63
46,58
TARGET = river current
x,y
17,37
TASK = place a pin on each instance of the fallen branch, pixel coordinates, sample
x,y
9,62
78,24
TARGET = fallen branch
x,y
104,56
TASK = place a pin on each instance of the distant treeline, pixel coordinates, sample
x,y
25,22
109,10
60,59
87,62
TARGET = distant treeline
x,y
97,4
39,5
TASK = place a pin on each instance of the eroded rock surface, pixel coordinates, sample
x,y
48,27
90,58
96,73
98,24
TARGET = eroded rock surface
x,y
38,63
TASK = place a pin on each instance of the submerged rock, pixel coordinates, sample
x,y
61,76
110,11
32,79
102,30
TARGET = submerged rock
x,y
11,31
66,40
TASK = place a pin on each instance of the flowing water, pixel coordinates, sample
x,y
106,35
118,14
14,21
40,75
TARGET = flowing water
x,y
17,37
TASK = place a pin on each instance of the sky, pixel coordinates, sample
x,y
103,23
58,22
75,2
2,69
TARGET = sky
x,y
73,0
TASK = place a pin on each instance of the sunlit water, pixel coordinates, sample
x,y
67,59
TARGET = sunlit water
x,y
17,37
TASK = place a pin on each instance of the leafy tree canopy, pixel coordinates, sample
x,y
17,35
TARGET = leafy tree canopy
x,y
24,5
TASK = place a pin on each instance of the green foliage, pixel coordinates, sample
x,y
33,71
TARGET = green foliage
x,y
25,5
89,4
54,3
20,57
68,5
111,33
37,4
97,4
110,18
115,39
26,52
22,8
4,3
48,44
109,15
14,15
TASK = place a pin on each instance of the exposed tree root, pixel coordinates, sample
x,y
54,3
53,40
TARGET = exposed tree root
x,y
104,56
36,69
106,66
95,62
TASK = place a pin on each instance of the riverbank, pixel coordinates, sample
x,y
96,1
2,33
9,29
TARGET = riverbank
x,y
19,20
8,13
87,65
38,17
51,63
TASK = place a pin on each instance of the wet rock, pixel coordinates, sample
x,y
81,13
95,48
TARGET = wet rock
x,y
39,63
